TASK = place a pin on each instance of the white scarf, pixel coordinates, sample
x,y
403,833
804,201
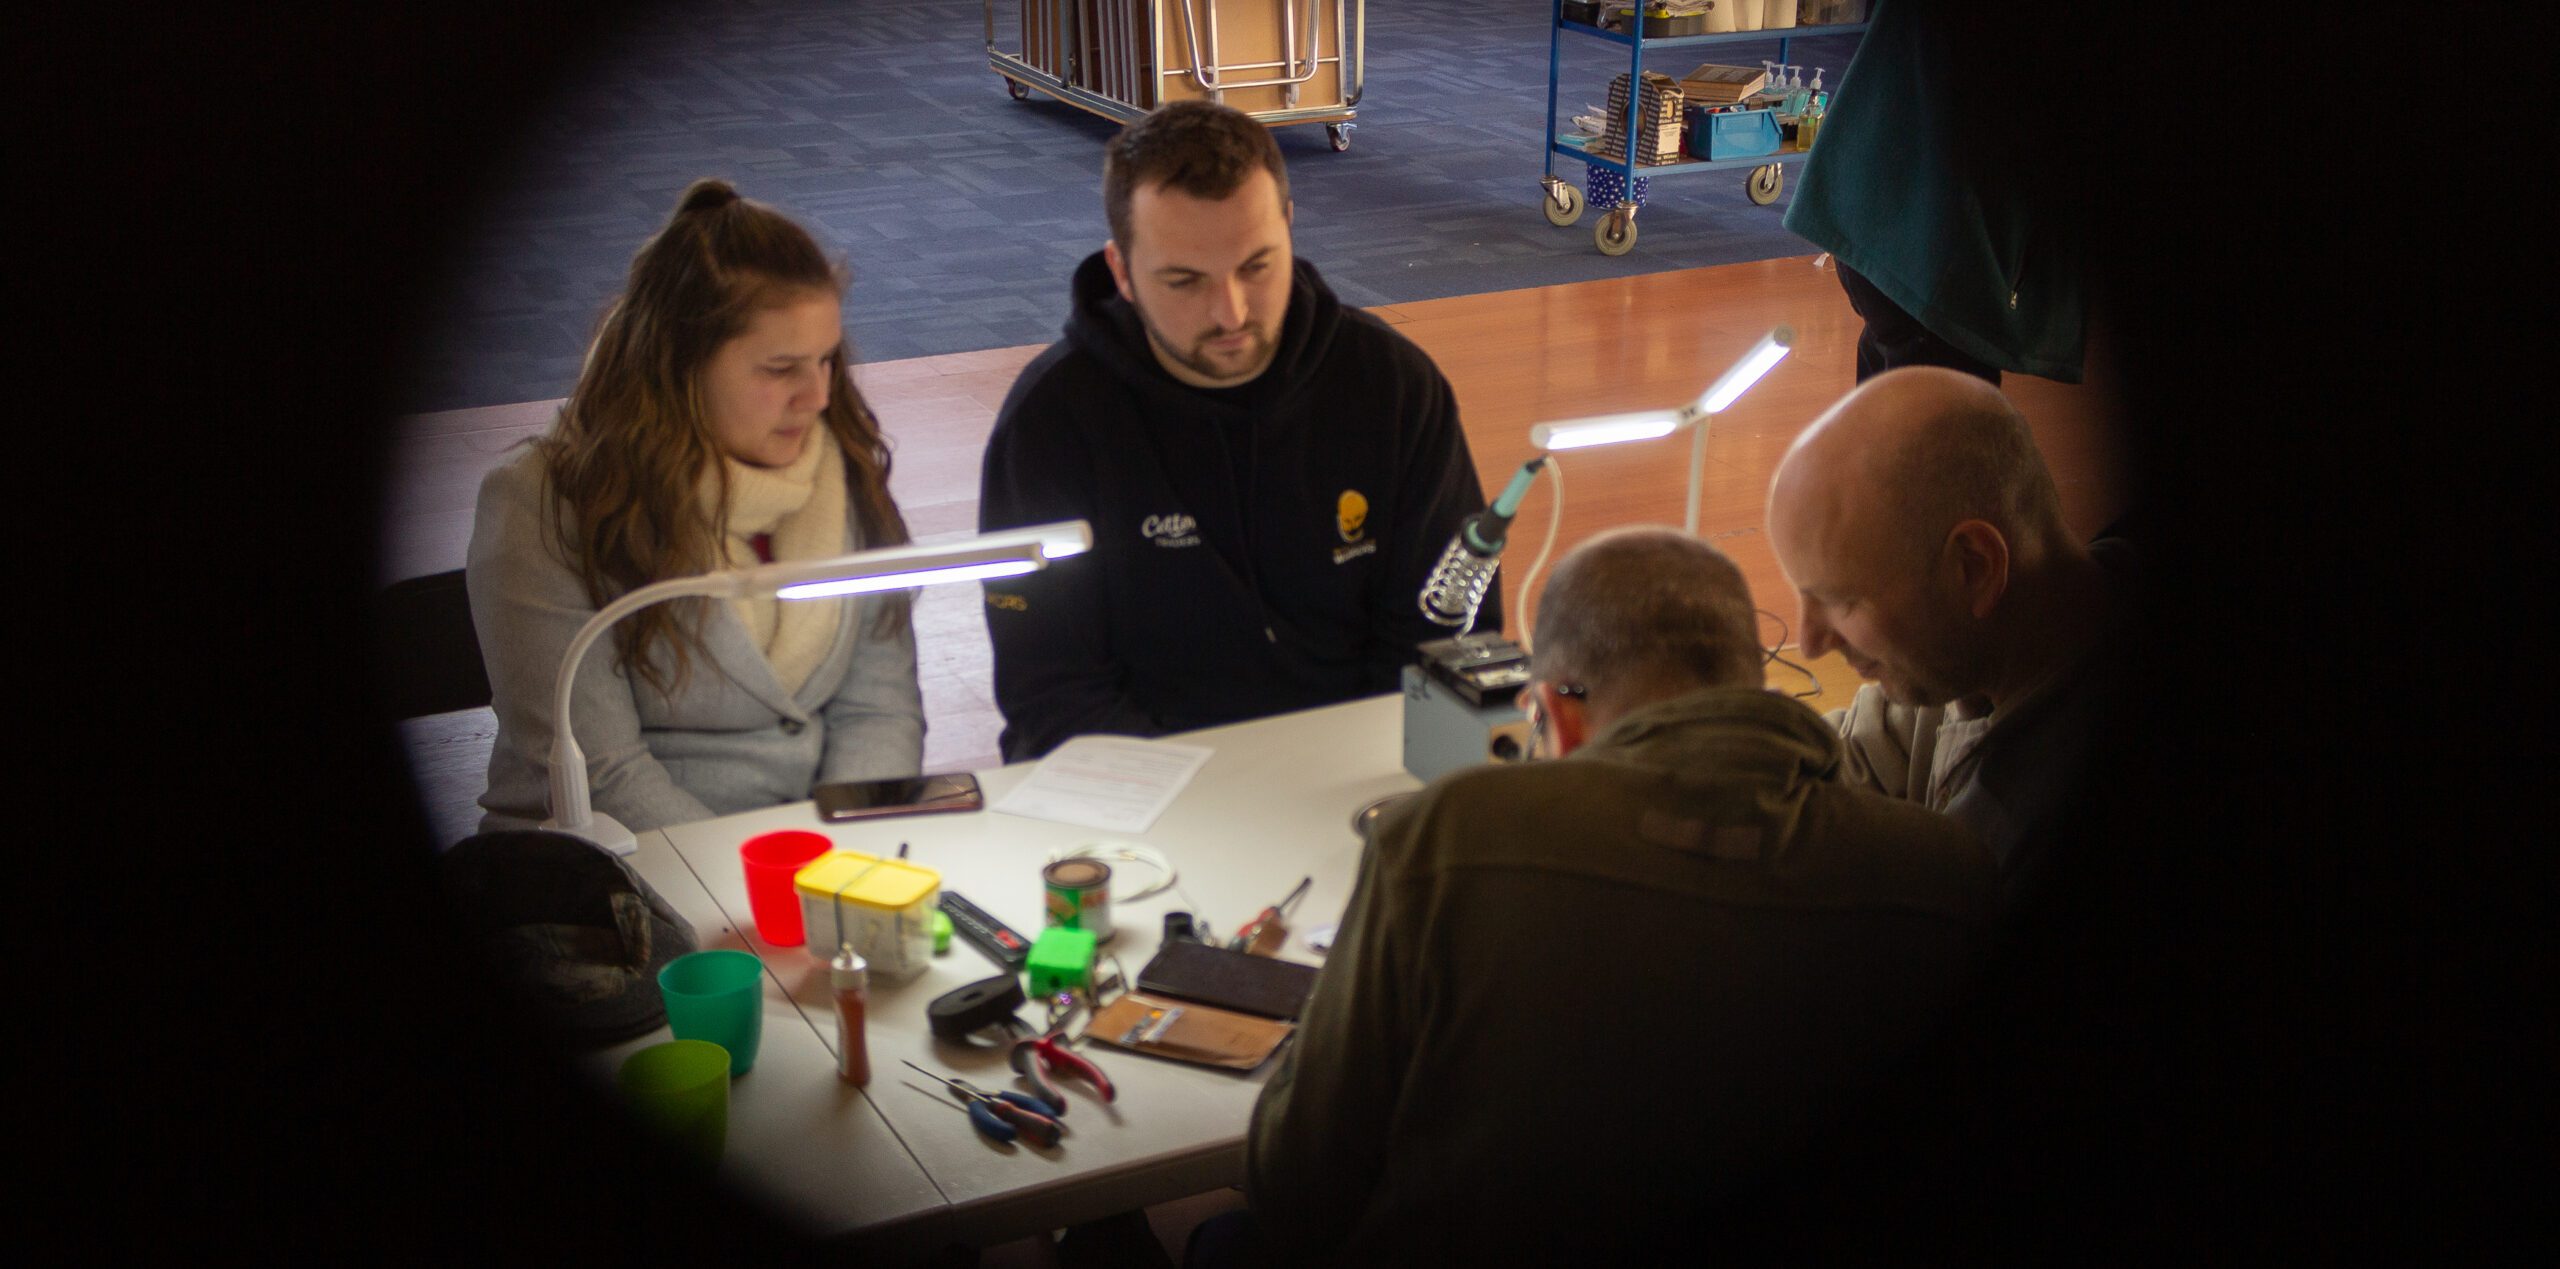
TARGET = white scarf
x,y
803,507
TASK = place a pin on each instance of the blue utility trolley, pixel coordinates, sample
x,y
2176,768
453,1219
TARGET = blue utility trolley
x,y
1615,234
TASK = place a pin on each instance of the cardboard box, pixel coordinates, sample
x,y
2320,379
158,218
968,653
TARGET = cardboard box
x,y
1657,120
1714,84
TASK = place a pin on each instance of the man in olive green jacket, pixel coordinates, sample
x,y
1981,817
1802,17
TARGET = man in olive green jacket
x,y
1573,999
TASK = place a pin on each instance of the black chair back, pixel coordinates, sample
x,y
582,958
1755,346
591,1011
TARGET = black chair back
x,y
430,654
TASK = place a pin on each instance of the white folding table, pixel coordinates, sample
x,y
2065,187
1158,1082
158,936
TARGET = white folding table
x,y
899,1163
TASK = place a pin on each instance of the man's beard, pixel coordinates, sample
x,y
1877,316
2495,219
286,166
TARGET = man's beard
x,y
1926,684
1197,358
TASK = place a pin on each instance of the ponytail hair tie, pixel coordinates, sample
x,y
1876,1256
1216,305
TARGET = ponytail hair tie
x,y
708,194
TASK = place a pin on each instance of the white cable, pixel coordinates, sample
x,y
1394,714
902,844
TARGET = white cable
x,y
1125,852
1555,517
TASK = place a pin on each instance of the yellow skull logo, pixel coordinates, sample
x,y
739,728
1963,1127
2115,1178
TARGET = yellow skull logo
x,y
1350,514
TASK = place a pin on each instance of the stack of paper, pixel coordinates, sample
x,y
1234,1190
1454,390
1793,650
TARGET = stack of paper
x,y
1120,783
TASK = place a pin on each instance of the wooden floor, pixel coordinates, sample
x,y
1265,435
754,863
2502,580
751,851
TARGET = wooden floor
x,y
1515,358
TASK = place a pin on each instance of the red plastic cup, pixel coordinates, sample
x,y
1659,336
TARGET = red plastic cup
x,y
772,859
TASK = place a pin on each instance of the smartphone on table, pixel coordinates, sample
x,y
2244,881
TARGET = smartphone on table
x,y
914,795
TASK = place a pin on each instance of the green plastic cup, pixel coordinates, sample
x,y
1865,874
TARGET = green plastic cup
x,y
680,1089
717,996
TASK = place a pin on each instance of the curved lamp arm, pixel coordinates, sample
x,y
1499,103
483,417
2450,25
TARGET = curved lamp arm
x,y
1006,553
1645,425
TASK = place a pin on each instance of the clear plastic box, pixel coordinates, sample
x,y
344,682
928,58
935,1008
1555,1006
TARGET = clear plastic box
x,y
885,906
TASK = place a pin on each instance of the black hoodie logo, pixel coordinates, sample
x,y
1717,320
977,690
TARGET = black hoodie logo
x,y
1351,520
1173,530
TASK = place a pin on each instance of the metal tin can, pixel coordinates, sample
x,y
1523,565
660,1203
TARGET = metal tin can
x,y
1079,896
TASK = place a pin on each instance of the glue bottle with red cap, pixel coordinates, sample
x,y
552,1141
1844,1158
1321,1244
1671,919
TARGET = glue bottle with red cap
x,y
850,975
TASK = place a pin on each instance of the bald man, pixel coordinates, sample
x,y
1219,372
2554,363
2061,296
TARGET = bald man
x,y
1574,1000
1925,542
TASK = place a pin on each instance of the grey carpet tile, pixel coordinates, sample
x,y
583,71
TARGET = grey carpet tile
x,y
961,212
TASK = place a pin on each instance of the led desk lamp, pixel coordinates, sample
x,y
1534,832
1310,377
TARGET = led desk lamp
x,y
1466,569
1459,702
1009,553
1609,429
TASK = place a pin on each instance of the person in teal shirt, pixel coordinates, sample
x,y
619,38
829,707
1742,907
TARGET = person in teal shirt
x,y
1918,189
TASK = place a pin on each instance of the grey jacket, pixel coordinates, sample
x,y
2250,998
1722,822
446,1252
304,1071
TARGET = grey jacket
x,y
731,740
2010,776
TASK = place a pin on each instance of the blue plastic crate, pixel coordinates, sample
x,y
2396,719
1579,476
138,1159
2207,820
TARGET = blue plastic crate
x,y
1734,134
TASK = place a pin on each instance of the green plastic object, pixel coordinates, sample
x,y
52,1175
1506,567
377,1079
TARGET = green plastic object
x,y
941,932
680,1088
717,995
1060,958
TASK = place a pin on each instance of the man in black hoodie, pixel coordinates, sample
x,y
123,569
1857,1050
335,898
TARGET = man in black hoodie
x,y
1269,474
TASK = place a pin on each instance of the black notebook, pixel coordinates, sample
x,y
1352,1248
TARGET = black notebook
x,y
1261,985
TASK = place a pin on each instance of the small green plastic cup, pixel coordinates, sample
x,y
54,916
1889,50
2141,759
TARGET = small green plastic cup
x,y
680,1089
717,996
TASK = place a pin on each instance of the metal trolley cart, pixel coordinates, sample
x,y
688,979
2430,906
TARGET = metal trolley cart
x,y
1615,234
1280,61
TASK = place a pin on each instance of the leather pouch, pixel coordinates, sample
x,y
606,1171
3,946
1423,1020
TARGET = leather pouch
x,y
1187,1031
1260,985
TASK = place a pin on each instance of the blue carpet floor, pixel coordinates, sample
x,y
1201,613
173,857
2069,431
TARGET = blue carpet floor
x,y
962,211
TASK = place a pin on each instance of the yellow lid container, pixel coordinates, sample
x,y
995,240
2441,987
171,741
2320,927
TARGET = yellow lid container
x,y
866,879
880,908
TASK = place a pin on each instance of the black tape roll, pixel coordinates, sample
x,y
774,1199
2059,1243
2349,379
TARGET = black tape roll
x,y
955,1014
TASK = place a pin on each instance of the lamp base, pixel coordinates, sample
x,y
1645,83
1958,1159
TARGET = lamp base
x,y
602,829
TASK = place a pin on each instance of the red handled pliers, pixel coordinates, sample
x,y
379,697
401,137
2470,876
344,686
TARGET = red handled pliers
x,y
1035,1057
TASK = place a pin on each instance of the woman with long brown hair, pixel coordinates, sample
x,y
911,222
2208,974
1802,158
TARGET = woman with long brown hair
x,y
714,425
